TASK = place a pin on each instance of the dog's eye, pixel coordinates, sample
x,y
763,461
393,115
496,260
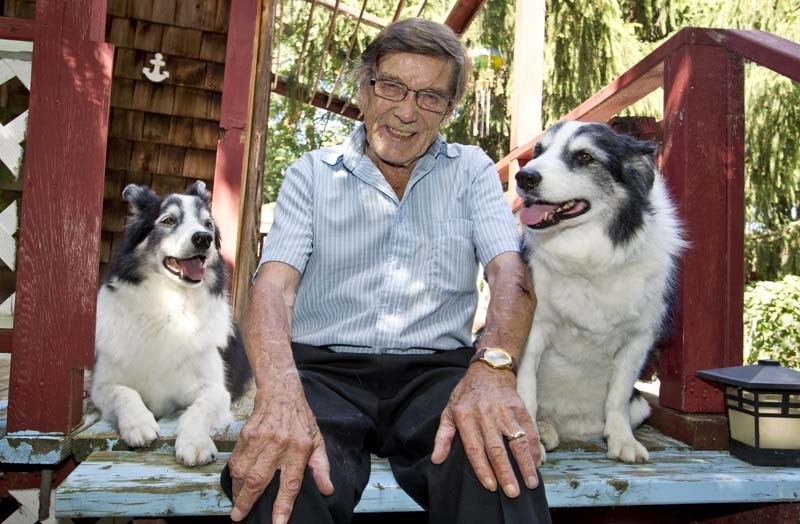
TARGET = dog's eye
x,y
209,224
168,221
537,150
584,158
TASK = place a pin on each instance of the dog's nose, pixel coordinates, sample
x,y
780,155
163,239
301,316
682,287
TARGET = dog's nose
x,y
528,179
202,240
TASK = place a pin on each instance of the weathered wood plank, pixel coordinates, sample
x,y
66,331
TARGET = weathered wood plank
x,y
112,484
153,484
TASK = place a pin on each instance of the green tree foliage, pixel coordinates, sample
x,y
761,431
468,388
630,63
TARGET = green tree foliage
x,y
772,321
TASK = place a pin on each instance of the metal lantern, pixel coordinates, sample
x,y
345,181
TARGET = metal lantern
x,y
763,406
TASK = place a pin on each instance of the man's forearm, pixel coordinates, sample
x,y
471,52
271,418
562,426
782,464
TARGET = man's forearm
x,y
268,323
511,305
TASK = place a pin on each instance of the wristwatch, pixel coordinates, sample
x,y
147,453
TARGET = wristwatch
x,y
497,358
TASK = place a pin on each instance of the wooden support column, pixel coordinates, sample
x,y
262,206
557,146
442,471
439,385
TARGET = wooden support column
x,y
58,257
527,78
242,27
704,165
239,174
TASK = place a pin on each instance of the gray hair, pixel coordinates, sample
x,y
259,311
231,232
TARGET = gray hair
x,y
422,37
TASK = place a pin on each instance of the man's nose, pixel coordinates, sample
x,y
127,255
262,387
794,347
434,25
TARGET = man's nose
x,y
407,109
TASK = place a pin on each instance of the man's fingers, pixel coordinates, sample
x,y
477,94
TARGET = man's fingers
x,y
321,469
251,487
444,438
475,450
521,449
291,481
499,461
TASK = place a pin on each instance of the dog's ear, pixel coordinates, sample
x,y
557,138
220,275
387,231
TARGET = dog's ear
x,y
138,197
199,190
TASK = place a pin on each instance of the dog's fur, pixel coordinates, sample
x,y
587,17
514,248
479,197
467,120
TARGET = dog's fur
x,y
165,339
602,241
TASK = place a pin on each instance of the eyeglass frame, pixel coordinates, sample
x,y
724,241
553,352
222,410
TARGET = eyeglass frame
x,y
416,92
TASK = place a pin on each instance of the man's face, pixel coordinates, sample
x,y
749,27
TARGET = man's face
x,y
399,133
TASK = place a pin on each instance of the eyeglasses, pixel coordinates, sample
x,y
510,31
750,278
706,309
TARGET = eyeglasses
x,y
397,92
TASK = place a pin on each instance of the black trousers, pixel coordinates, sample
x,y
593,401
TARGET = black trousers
x,y
390,405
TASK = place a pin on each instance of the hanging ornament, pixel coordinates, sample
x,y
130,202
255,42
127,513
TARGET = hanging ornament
x,y
486,63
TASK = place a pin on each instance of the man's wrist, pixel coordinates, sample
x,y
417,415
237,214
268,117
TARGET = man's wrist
x,y
495,358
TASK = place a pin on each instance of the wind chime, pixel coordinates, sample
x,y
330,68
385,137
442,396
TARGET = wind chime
x,y
486,63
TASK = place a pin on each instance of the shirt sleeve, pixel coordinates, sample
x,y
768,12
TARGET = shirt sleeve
x,y
290,240
494,226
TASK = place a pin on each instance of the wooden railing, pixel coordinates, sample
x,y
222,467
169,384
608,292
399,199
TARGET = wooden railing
x,y
702,74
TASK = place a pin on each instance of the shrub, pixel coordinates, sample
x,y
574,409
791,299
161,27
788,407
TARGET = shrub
x,y
772,321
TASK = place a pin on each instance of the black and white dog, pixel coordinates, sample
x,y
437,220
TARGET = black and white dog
x,y
165,339
602,241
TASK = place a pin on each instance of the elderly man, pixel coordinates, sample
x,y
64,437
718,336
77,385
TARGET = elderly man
x,y
358,328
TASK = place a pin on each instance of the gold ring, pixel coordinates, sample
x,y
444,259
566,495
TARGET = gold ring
x,y
515,436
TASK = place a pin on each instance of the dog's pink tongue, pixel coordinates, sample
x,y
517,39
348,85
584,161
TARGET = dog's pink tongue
x,y
532,215
192,268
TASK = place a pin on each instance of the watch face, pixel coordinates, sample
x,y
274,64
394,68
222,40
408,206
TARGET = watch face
x,y
497,358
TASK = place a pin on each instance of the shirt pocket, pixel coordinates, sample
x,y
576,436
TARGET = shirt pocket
x,y
454,262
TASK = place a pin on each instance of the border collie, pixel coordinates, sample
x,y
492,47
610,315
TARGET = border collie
x,y
602,241
165,340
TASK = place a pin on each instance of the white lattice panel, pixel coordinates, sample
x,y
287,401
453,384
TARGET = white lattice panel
x,y
13,133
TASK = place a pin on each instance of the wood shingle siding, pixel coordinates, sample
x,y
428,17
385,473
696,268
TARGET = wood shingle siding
x,y
165,134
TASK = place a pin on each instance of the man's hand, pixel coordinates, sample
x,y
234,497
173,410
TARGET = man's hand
x,y
485,409
280,434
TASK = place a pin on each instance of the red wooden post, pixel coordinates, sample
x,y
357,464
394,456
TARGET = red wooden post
x,y
58,256
233,121
704,164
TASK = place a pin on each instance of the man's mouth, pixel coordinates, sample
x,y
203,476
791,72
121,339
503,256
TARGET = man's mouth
x,y
397,133
191,270
540,214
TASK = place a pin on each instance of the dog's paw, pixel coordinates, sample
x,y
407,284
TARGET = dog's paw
x,y
548,435
627,449
139,430
195,450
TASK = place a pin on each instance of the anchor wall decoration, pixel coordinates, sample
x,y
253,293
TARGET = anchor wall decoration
x,y
156,74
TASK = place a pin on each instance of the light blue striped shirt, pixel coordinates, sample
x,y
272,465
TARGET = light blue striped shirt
x,y
381,274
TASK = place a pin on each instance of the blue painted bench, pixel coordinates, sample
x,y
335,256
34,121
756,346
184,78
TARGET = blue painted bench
x,y
113,481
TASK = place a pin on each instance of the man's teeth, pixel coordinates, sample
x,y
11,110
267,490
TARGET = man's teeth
x,y
399,134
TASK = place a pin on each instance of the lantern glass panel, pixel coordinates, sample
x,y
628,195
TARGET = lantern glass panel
x,y
770,397
748,395
779,433
743,427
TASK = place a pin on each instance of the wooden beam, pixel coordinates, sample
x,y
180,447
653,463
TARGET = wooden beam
x,y
462,14
255,152
58,258
349,12
16,28
768,50
320,99
234,116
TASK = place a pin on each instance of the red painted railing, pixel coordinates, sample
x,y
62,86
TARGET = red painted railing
x,y
702,74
